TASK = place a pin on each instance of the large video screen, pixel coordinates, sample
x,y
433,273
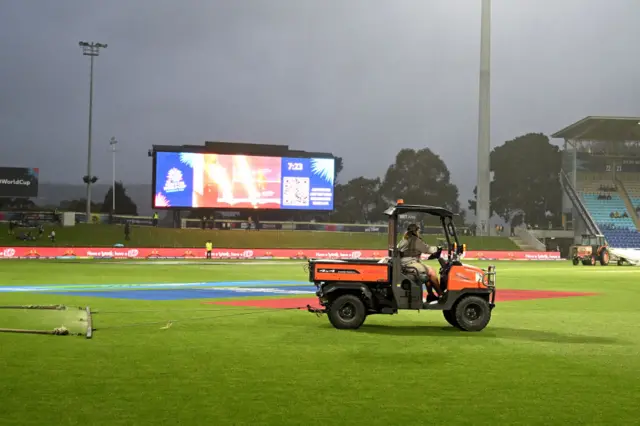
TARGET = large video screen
x,y
197,180
19,182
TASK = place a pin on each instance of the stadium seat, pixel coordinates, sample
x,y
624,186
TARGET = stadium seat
x,y
622,238
620,232
633,188
601,210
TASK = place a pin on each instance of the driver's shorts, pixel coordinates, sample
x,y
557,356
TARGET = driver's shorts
x,y
422,268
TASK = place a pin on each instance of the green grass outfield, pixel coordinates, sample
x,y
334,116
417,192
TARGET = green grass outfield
x,y
539,362
83,235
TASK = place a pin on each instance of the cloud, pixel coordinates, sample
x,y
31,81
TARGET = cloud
x,y
359,80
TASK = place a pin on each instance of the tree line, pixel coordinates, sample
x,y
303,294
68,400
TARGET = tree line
x,y
124,204
525,184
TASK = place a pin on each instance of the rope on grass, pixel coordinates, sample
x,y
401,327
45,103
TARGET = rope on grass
x,y
63,331
136,311
169,323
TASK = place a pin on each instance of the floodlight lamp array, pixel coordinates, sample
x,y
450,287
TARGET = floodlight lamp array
x,y
91,49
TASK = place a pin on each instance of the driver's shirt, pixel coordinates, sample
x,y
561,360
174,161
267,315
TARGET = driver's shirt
x,y
416,246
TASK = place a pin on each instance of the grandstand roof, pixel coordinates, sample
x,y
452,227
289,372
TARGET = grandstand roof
x,y
609,129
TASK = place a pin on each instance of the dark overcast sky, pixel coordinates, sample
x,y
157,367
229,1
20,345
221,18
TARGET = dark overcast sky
x,y
359,78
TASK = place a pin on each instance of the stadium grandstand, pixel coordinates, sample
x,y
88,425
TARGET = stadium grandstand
x,y
601,178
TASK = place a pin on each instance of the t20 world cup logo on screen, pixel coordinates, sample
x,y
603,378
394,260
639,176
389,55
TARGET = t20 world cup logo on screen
x,y
175,181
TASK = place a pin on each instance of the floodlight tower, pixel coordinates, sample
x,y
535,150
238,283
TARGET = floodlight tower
x,y
92,50
484,121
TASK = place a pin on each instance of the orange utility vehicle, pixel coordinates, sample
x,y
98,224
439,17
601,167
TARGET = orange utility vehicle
x,y
593,249
350,290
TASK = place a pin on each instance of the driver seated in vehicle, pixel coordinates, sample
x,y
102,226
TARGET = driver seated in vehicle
x,y
411,247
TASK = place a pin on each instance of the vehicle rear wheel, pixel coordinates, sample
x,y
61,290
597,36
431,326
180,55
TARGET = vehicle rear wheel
x,y
604,257
472,313
347,312
450,316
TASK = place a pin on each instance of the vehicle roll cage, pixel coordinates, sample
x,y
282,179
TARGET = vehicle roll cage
x,y
454,248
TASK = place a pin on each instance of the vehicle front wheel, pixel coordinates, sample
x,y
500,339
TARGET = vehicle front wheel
x,y
576,260
472,313
347,312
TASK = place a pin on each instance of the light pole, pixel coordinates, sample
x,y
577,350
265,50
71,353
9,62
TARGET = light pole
x,y
483,212
92,50
113,143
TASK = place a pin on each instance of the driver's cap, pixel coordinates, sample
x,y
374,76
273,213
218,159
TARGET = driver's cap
x,y
413,227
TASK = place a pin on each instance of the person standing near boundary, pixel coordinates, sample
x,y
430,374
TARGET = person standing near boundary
x,y
209,247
